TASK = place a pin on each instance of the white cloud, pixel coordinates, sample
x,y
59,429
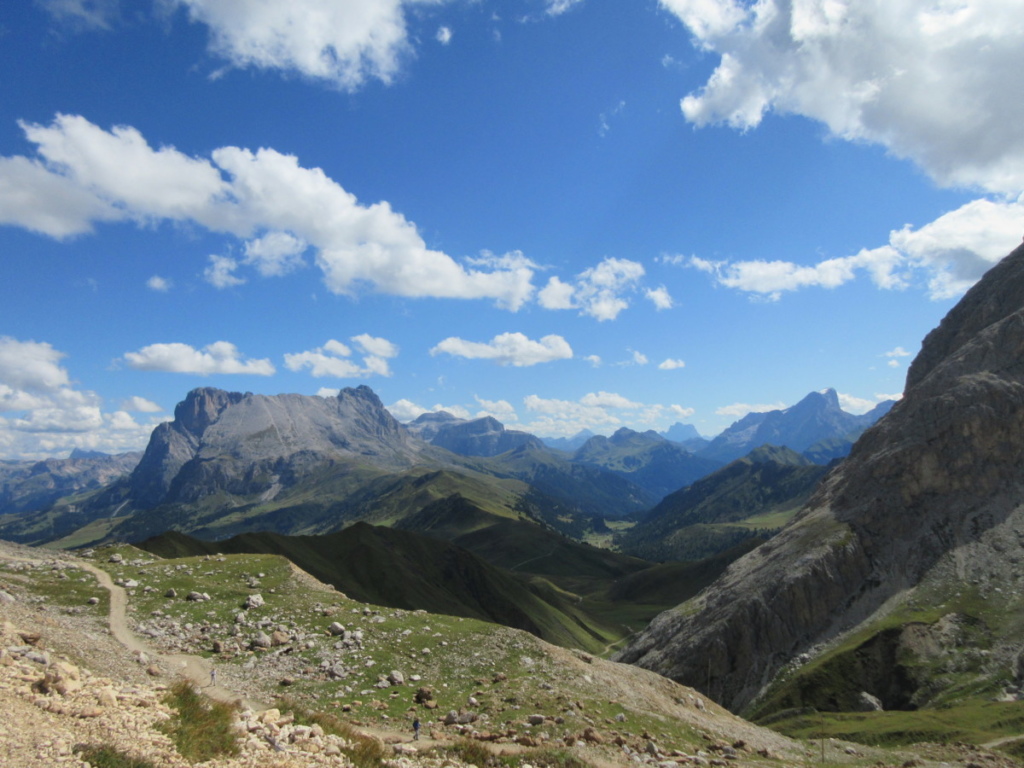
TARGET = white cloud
x,y
860,405
681,412
159,284
558,7
342,43
949,254
275,254
376,346
85,14
671,364
608,400
406,410
31,366
739,410
220,272
956,249
333,359
934,82
85,174
597,292
508,349
660,297
48,416
639,358
444,35
140,405
502,410
594,360
893,363
897,352
594,411
221,357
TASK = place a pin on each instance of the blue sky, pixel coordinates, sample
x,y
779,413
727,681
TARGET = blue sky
x,y
565,213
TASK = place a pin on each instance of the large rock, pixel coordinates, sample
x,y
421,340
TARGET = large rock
x,y
246,443
930,487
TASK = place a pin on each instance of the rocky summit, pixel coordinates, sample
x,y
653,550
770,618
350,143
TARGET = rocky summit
x,y
924,519
224,439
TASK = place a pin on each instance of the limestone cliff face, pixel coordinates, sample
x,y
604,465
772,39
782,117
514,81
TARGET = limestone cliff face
x,y
236,442
932,478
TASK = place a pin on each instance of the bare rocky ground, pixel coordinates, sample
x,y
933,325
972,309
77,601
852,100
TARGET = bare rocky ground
x,y
73,671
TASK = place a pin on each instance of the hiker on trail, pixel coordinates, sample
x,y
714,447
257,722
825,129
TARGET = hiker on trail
x,y
416,729
213,677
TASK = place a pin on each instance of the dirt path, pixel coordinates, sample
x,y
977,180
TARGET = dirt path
x,y
193,668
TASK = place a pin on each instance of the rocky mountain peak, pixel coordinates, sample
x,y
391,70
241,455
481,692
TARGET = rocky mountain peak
x,y
202,406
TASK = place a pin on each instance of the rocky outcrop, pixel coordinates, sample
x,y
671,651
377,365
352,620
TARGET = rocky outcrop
x,y
922,489
485,436
240,442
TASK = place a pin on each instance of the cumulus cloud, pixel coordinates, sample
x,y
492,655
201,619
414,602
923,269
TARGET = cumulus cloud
x,y
220,272
558,7
502,410
221,357
859,405
334,359
671,364
508,349
897,352
659,297
595,411
931,81
947,256
599,291
159,284
681,412
43,414
140,405
275,254
406,410
343,44
84,174
444,35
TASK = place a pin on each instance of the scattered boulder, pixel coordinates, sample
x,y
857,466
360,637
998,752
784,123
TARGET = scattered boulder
x,y
254,601
172,592
336,629
868,703
115,558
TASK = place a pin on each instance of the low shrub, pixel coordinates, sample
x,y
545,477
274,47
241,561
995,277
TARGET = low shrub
x,y
106,756
200,728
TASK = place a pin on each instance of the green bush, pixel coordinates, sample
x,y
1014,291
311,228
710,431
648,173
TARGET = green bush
x,y
201,728
105,756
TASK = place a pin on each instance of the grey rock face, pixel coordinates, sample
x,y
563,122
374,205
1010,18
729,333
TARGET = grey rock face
x,y
245,443
935,476
479,437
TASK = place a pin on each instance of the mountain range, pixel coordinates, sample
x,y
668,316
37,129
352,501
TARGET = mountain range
x,y
234,462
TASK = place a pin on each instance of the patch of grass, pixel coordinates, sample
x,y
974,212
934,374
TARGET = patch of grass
x,y
472,752
366,751
973,722
201,729
557,758
106,756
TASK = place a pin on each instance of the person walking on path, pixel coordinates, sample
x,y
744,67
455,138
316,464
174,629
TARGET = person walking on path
x,y
416,729
213,677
